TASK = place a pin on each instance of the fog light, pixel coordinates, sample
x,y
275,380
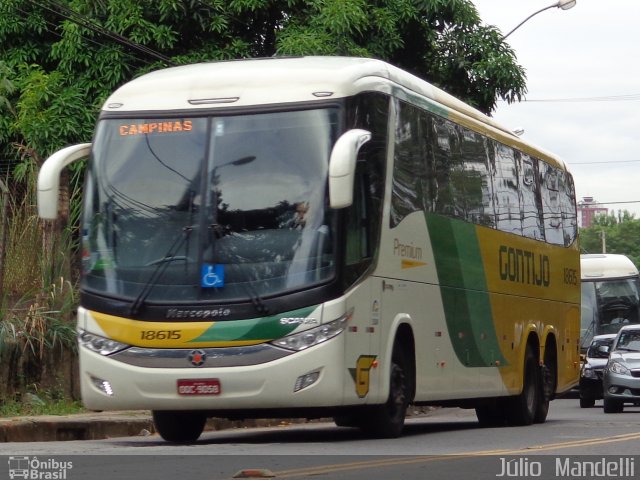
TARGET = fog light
x,y
306,380
102,385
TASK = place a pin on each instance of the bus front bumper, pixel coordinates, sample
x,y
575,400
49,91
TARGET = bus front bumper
x,y
314,377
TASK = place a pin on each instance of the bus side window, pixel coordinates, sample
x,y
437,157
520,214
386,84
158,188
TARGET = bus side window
x,y
568,209
475,179
506,190
550,183
358,245
530,201
369,111
411,191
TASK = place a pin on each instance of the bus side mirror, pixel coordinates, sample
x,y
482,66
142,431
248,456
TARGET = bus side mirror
x,y
342,166
49,178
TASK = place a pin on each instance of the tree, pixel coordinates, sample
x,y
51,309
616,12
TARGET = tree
x,y
620,233
62,58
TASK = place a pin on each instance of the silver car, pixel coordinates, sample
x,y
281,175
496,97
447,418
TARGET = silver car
x,y
621,380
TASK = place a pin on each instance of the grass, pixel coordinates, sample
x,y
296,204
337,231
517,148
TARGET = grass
x,y
14,408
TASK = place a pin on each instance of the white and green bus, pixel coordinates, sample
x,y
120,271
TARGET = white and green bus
x,y
313,237
610,295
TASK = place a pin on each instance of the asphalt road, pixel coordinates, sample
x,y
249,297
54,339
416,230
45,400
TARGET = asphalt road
x,y
446,444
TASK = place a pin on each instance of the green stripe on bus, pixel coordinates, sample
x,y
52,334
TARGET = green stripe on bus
x,y
463,287
264,328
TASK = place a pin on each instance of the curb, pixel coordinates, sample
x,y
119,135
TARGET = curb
x,y
50,428
103,425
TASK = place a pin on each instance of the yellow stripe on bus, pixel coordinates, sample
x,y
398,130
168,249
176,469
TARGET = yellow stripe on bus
x,y
161,334
411,263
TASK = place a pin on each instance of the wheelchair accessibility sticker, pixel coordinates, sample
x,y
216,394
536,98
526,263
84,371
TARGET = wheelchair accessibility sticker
x,y
212,276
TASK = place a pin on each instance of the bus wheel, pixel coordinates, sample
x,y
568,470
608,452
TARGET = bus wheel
x,y
387,420
179,426
613,406
547,385
587,402
490,415
521,409
347,420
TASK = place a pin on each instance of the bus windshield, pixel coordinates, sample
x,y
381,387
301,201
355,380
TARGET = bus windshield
x,y
609,304
209,208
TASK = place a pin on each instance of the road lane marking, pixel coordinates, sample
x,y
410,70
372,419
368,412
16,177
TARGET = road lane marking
x,y
325,469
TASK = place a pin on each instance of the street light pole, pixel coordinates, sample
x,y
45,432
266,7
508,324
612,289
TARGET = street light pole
x,y
561,4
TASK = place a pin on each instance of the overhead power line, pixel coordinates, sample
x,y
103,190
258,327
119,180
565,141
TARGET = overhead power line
x,y
604,161
590,204
51,28
606,98
631,97
85,22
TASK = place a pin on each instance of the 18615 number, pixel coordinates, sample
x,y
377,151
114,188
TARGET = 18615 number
x,y
161,334
570,276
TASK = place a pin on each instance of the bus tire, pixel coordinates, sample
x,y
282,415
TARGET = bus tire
x,y
521,409
613,406
387,420
547,382
491,415
179,426
587,402
347,420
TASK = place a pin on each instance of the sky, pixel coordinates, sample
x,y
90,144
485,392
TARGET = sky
x,y
583,89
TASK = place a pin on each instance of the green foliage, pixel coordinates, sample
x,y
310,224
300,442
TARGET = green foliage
x,y
37,323
60,60
619,231
443,42
31,404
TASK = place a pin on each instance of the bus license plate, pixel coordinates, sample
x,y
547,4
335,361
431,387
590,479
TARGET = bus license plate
x,y
199,387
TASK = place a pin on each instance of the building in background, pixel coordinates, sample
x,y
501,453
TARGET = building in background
x,y
588,208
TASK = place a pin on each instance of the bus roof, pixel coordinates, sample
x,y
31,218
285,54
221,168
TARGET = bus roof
x,y
276,81
599,266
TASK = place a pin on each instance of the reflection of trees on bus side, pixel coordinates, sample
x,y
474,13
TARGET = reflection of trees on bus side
x,y
445,168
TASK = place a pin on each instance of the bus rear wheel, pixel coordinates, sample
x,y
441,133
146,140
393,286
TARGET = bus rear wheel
x,y
547,385
179,426
587,402
522,409
612,405
491,414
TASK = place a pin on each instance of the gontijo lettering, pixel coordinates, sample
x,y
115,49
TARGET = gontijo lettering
x,y
523,266
155,127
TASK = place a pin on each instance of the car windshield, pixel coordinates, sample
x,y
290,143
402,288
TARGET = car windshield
x,y
209,208
595,349
629,341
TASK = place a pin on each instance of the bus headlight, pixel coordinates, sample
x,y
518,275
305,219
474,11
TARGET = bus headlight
x,y
98,344
313,336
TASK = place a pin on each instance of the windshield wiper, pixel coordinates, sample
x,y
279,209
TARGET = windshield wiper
x,y
161,267
256,300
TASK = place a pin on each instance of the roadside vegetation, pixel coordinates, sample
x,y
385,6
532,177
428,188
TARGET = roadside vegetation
x,y
32,404
616,232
